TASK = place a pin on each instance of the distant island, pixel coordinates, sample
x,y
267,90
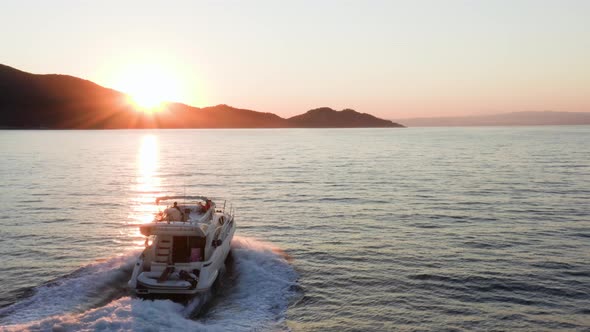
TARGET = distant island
x,y
504,119
30,101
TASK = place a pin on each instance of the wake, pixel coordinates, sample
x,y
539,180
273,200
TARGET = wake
x,y
254,296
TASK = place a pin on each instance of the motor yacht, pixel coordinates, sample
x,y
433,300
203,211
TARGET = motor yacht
x,y
187,244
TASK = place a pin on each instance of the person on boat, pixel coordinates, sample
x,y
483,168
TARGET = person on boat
x,y
174,213
205,207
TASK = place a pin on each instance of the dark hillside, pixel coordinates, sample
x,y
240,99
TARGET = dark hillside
x,y
326,117
30,101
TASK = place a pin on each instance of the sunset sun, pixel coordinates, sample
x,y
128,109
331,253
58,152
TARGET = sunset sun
x,y
148,86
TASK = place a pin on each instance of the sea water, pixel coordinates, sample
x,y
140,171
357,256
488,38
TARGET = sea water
x,y
338,229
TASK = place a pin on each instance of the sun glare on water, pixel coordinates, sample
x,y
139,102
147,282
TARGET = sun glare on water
x,y
148,87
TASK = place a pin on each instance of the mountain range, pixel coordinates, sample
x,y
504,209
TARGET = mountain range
x,y
65,102
529,118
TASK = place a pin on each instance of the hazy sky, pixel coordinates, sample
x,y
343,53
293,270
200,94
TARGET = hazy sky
x,y
394,59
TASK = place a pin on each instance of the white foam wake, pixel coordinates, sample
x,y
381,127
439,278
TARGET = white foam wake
x,y
76,292
256,298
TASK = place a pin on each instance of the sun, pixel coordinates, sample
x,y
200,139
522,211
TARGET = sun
x,y
148,86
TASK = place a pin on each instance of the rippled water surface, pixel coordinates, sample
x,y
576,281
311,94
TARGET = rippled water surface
x,y
338,230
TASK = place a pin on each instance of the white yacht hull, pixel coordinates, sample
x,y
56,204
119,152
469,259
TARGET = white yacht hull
x,y
186,278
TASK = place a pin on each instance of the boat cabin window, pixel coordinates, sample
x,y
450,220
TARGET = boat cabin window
x,y
188,249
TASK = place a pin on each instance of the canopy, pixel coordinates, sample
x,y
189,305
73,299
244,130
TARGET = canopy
x,y
166,198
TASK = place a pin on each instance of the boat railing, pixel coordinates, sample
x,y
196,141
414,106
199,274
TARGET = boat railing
x,y
227,207
230,209
167,200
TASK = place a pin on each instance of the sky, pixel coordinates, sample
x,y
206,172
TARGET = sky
x,y
393,59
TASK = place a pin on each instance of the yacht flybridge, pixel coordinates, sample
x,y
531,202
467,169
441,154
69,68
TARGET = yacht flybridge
x,y
186,247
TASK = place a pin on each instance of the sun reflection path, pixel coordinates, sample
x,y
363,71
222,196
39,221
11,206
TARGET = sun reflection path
x,y
147,159
147,185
